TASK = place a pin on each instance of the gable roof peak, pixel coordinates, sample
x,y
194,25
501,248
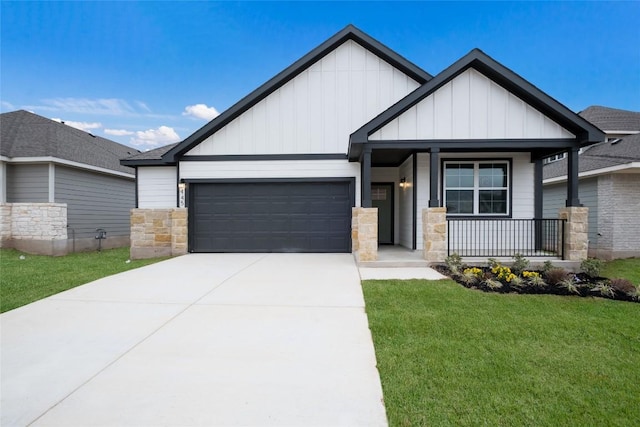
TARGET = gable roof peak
x,y
350,32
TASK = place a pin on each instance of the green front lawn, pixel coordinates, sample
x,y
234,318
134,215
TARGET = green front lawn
x,y
23,281
623,268
448,355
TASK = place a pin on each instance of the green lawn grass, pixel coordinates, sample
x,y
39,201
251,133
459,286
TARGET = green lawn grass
x,y
448,355
23,281
623,268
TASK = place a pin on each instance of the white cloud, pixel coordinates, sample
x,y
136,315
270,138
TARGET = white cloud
x,y
107,106
7,105
85,126
155,137
201,111
118,132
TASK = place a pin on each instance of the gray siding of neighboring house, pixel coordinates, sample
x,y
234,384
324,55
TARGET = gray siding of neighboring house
x,y
94,201
27,183
625,203
555,196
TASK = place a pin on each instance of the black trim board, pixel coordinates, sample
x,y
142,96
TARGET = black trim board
x,y
263,157
136,205
350,32
586,132
267,180
414,195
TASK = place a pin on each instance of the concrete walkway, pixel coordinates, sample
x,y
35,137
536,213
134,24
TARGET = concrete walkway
x,y
207,339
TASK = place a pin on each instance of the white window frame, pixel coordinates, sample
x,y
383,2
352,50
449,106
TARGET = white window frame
x,y
476,187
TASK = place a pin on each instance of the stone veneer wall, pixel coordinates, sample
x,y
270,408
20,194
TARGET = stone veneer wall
x,y
38,228
158,232
434,226
576,238
364,234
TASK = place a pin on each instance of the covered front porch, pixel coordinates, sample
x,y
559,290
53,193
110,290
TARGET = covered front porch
x,y
461,158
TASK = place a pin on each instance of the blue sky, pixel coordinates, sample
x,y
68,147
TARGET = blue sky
x,y
149,73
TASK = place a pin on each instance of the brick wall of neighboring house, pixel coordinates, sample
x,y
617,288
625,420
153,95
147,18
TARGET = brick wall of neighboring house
x,y
625,207
39,228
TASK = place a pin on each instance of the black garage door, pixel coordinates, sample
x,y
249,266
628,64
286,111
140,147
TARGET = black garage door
x,y
281,216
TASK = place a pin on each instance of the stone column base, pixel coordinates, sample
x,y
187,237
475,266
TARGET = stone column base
x,y
364,233
576,229
434,234
158,232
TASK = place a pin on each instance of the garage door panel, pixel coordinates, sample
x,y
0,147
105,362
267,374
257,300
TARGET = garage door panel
x,y
271,217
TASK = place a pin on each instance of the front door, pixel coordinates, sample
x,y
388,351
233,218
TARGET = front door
x,y
382,198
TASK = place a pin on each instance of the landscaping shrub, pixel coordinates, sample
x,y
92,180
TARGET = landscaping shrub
x,y
454,263
623,285
556,275
520,264
592,266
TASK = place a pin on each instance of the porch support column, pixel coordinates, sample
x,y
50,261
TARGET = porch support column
x,y
572,178
434,158
365,178
537,204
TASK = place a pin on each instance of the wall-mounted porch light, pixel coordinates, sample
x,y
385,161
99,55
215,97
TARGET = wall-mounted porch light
x,y
403,182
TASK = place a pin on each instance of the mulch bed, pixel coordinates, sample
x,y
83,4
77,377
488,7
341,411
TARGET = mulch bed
x,y
585,285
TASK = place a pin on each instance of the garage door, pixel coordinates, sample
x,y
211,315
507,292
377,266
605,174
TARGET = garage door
x,y
282,216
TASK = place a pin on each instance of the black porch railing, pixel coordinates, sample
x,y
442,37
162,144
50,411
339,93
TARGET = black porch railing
x,y
504,237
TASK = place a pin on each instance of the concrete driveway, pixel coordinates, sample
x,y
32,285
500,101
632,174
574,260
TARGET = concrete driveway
x,y
203,339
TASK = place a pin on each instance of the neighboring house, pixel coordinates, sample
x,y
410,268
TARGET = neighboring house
x,y
609,184
352,124
58,185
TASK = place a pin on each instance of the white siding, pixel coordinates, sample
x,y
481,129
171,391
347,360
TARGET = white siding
x,y
157,187
390,174
471,106
317,110
423,181
272,169
406,204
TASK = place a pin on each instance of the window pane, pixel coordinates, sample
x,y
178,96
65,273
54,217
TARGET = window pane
x,y
460,201
493,175
459,175
493,202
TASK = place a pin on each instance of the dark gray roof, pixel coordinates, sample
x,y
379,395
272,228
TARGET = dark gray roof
x,y
599,156
609,119
25,134
148,157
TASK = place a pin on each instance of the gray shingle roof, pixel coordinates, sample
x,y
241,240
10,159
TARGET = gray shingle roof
x,y
600,156
609,119
25,134
155,154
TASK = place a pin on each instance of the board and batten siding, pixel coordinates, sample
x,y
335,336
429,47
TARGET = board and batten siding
x,y
317,110
27,183
471,106
272,169
95,201
554,197
157,187
406,204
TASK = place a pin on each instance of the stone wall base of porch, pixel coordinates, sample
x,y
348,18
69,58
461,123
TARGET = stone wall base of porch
x,y
434,234
364,234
